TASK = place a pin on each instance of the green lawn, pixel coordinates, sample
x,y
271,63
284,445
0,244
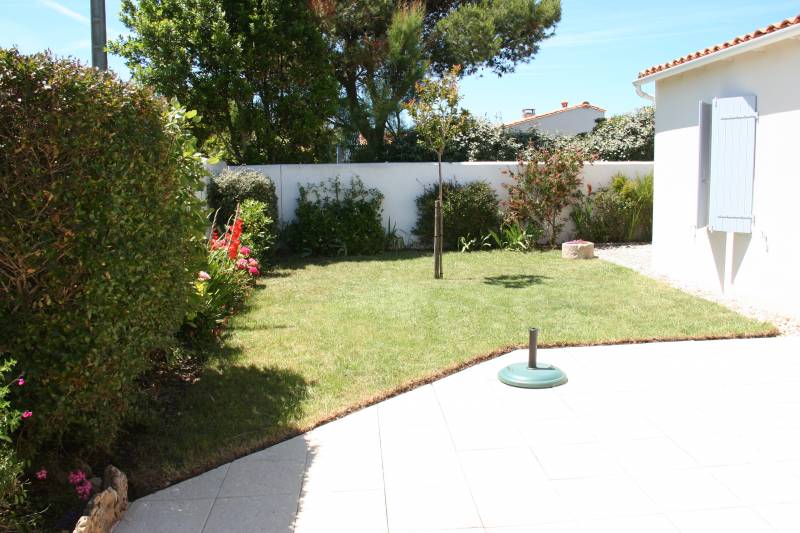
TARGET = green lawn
x,y
319,337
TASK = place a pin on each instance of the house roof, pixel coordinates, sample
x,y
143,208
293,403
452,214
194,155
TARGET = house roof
x,y
584,105
761,32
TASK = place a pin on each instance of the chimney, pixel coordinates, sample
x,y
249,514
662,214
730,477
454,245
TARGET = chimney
x,y
564,103
528,112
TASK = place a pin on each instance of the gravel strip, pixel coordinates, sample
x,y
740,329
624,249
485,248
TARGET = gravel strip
x,y
638,257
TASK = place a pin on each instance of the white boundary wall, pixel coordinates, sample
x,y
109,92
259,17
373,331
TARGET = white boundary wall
x,y
401,183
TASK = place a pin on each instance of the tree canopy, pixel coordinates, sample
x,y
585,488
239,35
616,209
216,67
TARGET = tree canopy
x,y
381,48
258,71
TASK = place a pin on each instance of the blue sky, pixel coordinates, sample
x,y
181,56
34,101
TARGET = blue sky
x,y
597,51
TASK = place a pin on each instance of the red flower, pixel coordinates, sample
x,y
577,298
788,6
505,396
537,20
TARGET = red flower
x,y
233,248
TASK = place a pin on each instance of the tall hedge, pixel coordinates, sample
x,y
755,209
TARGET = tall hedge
x,y
101,237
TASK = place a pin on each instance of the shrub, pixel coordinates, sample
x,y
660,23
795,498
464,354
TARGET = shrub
x,y
469,210
627,137
103,240
12,489
259,228
235,185
336,220
622,212
543,188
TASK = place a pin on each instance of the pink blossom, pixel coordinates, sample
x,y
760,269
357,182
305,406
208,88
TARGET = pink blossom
x,y
245,251
21,382
252,262
253,270
77,477
203,276
84,490
27,414
41,474
241,264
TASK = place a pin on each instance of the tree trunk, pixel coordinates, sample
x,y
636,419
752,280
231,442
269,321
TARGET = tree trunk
x,y
437,240
439,225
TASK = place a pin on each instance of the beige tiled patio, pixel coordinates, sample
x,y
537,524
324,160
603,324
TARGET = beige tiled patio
x,y
666,437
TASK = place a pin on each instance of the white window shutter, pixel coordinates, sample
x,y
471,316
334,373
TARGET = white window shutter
x,y
704,170
733,143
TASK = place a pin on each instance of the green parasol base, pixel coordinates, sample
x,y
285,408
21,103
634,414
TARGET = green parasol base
x,y
544,376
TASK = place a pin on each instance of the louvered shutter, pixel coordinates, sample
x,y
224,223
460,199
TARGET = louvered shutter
x,y
704,170
733,143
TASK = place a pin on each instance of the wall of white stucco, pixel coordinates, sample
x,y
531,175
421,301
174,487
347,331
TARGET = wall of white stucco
x,y
570,122
401,183
762,267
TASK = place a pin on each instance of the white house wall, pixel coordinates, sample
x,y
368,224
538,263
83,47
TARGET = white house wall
x,y
761,267
401,183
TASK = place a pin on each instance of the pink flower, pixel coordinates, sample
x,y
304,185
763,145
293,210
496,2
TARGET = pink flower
x,y
77,477
252,262
41,474
203,276
84,490
20,382
245,251
241,264
253,270
27,414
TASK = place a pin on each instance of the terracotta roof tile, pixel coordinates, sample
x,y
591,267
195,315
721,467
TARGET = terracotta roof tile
x,y
584,105
785,23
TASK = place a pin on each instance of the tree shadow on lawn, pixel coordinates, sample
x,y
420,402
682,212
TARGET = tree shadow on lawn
x,y
515,281
230,412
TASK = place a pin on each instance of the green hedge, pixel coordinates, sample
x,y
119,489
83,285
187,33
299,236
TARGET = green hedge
x,y
469,210
332,219
102,241
235,185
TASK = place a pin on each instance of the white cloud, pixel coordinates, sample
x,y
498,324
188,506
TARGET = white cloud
x,y
64,10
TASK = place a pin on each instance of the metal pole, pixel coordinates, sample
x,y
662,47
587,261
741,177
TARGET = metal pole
x,y
532,340
99,57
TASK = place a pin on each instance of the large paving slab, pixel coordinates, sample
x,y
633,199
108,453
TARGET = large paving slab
x,y
663,437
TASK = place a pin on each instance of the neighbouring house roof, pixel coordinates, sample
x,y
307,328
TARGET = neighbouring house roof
x,y
584,105
761,32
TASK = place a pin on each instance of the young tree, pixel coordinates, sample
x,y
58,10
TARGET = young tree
x,y
543,187
381,48
258,71
437,119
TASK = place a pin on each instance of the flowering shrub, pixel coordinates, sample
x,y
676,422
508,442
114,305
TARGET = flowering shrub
x,y
543,188
259,229
12,488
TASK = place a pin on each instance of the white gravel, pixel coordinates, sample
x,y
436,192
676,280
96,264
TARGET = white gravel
x,y
638,257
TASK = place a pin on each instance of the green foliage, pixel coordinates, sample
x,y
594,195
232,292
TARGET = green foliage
x,y
103,240
12,489
435,111
259,228
543,187
336,220
469,210
515,237
257,71
476,140
234,186
622,212
627,137
216,297
381,48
